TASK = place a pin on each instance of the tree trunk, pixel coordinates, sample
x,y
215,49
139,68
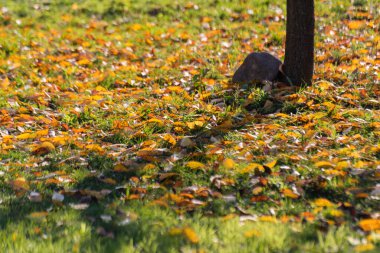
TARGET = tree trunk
x,y
299,46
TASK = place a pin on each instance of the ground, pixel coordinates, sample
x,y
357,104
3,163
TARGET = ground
x,y
120,130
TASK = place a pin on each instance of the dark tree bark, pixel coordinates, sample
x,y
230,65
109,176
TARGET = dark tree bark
x,y
299,46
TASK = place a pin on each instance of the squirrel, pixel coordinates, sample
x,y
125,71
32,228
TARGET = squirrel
x,y
259,67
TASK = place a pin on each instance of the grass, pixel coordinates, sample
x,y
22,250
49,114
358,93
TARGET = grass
x,y
124,109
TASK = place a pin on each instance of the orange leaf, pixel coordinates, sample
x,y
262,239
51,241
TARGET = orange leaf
x,y
20,183
190,235
289,193
356,24
228,163
370,224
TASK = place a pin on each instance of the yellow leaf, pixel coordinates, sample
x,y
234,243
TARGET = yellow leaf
x,y
136,27
43,132
43,148
336,213
228,217
74,7
48,145
228,163
342,165
370,224
194,124
5,83
94,147
268,218
251,167
177,89
84,61
252,233
289,193
25,136
324,85
330,106
190,235
257,190
195,165
364,247
149,166
324,164
271,164
319,115
335,172
154,120
321,202
169,138
120,168
109,181
360,165
38,215
175,231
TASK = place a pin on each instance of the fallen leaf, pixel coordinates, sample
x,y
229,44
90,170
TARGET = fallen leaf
x,y
228,163
370,224
321,202
191,235
195,165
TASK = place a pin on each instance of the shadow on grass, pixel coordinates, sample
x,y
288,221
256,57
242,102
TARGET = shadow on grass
x,y
111,222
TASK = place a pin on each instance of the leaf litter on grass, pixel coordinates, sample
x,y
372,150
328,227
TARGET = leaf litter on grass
x,y
100,112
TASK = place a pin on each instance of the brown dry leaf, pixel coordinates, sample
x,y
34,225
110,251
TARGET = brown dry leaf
x,y
109,180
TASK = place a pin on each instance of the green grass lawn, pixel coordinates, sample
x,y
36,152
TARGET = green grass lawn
x,y
121,132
